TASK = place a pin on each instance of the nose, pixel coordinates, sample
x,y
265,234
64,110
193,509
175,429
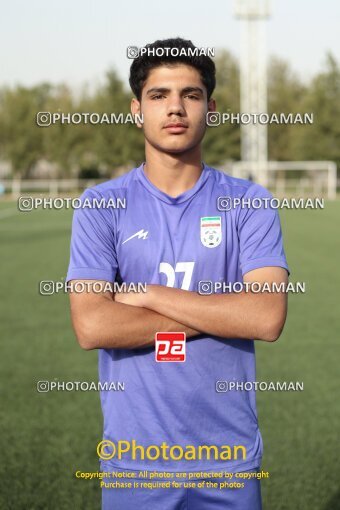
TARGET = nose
x,y
175,106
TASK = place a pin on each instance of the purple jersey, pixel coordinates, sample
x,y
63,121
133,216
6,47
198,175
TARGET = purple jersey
x,y
178,242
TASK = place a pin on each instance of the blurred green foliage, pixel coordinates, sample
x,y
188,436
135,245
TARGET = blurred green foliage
x,y
105,148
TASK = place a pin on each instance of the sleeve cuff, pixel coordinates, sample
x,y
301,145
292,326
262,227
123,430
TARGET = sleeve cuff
x,y
86,273
264,262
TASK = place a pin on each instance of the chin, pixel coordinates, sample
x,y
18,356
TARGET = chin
x,y
174,146
178,147
176,150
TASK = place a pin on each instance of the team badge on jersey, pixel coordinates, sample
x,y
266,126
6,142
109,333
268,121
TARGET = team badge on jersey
x,y
211,231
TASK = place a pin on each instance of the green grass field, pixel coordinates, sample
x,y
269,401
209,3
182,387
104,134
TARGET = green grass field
x,y
46,437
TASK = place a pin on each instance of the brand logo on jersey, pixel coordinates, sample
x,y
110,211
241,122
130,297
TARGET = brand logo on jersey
x,y
141,234
211,231
170,347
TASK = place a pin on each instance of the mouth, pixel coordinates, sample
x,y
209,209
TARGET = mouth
x,y
176,127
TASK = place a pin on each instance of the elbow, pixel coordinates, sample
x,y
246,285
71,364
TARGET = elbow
x,y
272,330
270,336
273,321
85,343
85,337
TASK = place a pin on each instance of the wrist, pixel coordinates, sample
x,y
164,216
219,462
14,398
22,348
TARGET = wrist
x,y
148,296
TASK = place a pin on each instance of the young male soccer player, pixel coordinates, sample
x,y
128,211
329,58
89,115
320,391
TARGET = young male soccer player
x,y
173,235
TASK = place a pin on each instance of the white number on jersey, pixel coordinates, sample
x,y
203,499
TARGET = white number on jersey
x,y
181,267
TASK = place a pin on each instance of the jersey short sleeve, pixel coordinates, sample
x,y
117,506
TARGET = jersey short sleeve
x,y
259,231
93,255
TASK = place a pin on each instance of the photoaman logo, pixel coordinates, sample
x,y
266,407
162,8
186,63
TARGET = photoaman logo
x,y
170,346
107,449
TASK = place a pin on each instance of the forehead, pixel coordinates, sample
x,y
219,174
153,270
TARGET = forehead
x,y
175,76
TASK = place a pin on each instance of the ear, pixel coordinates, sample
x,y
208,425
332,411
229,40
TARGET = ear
x,y
211,105
136,110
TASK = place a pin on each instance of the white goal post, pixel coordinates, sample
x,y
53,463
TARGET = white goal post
x,y
320,176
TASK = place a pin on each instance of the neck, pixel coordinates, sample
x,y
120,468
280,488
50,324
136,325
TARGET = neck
x,y
172,173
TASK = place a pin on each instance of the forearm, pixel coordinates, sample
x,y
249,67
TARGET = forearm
x,y
121,326
242,315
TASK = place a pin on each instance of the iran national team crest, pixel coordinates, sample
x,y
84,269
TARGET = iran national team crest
x,y
211,231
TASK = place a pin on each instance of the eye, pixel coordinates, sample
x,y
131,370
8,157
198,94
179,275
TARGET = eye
x,y
192,96
157,96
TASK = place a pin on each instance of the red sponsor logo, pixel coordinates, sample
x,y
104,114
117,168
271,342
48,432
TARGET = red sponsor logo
x,y
170,347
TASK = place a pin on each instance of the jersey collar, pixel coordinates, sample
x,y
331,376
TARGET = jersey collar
x,y
183,197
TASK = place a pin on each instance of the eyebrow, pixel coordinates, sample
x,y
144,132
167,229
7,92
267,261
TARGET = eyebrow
x,y
165,90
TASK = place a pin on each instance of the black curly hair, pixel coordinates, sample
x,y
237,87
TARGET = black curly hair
x,y
142,64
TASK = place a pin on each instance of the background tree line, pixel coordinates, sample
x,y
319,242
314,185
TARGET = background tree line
x,y
101,149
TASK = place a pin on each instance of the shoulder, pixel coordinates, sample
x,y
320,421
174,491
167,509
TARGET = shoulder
x,y
236,187
113,188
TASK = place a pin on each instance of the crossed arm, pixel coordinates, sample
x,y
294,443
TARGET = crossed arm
x,y
130,320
